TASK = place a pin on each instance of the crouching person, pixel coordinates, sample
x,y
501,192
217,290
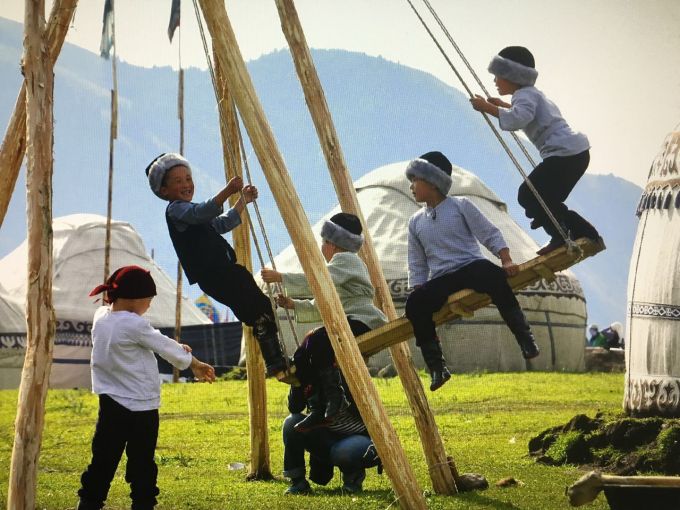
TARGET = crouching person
x,y
344,443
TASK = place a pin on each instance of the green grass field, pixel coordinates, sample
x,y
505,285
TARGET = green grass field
x,y
486,421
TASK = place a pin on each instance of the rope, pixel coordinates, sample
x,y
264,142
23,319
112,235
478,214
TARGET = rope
x,y
245,209
571,245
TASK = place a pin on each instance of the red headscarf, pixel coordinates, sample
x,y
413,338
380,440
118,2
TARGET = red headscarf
x,y
131,282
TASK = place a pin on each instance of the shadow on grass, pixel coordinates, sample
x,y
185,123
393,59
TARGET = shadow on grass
x,y
485,502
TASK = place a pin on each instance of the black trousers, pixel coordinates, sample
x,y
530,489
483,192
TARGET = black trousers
x,y
233,285
480,276
316,352
120,429
554,178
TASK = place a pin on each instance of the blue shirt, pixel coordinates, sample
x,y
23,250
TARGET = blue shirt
x,y
184,213
542,122
444,239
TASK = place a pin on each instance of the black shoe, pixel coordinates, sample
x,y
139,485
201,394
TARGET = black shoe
x,y
529,348
439,378
298,486
551,246
267,337
84,504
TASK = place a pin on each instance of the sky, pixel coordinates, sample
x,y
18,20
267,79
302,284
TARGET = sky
x,y
610,65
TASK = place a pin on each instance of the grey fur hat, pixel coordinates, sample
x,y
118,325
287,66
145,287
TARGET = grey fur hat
x,y
434,168
343,230
515,64
157,169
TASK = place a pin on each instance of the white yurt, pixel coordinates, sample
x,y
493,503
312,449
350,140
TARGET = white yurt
x,y
78,266
652,385
556,310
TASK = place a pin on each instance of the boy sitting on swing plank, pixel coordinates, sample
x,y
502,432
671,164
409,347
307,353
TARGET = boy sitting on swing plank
x,y
444,257
207,258
315,363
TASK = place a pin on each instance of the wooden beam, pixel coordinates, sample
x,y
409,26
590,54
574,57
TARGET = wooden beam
x,y
442,475
14,144
404,483
257,390
39,311
463,303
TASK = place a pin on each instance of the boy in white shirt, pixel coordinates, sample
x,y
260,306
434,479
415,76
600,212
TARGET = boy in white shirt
x,y
126,378
565,153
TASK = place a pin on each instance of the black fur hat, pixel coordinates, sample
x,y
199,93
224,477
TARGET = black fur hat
x,y
434,168
515,64
343,230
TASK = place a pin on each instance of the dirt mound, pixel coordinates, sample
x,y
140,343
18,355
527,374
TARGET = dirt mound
x,y
615,444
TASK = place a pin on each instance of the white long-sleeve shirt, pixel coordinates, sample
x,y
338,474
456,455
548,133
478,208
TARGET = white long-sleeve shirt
x,y
444,239
542,122
123,362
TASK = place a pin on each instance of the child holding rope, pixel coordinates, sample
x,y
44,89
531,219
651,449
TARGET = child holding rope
x,y
315,360
565,153
444,257
207,258
125,376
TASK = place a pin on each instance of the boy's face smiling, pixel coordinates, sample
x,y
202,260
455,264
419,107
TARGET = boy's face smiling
x,y
178,184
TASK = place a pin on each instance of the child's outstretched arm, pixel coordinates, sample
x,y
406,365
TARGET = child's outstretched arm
x,y
202,371
481,104
248,195
511,269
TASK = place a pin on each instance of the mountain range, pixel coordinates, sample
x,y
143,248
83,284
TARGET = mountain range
x,y
383,112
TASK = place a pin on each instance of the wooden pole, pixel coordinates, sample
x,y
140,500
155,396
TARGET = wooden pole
x,y
113,135
260,468
39,311
14,144
441,470
402,477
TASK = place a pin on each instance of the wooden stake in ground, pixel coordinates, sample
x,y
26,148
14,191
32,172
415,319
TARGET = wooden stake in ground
x,y
14,144
257,390
441,471
39,312
586,488
402,477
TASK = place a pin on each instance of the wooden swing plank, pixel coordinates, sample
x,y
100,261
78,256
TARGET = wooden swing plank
x,y
465,302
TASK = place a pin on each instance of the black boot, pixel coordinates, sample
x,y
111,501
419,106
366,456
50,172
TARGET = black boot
x,y
315,419
267,337
517,322
580,227
436,364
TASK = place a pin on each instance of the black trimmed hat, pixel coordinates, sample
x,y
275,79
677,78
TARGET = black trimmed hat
x,y
129,282
434,168
515,64
343,230
157,169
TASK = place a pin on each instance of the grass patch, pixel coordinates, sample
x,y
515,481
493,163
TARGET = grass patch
x,y
486,421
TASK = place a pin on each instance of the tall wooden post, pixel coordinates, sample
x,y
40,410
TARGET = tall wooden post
x,y
14,144
441,472
402,477
257,389
39,312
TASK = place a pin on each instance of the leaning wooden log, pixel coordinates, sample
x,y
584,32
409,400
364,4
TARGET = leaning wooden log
x,y
402,477
440,468
39,311
14,144
257,390
586,488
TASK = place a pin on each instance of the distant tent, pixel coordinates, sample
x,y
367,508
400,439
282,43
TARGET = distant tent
x,y
78,252
652,385
556,310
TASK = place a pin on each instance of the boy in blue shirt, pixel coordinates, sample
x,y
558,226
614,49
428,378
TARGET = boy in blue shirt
x,y
206,257
444,257
565,152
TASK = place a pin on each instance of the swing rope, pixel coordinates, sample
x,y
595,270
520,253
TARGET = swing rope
x,y
571,245
278,286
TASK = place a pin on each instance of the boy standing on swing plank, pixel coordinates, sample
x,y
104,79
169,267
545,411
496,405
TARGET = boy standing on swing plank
x,y
207,258
444,257
565,153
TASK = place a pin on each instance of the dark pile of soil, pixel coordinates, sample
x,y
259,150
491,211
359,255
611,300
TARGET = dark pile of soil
x,y
615,444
